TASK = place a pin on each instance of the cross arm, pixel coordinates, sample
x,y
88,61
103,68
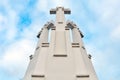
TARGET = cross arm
x,y
66,10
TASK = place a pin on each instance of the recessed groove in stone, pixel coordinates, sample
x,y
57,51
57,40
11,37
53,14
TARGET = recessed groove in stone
x,y
82,76
38,76
59,55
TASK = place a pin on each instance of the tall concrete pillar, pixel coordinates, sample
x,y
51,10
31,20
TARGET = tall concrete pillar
x,y
60,59
43,36
60,43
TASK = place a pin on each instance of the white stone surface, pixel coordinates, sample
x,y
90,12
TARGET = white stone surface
x,y
60,59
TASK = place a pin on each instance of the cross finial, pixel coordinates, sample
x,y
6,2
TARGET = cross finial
x,y
66,10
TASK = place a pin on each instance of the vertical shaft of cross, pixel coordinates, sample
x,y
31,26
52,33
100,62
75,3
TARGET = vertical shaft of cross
x,y
60,32
60,24
60,17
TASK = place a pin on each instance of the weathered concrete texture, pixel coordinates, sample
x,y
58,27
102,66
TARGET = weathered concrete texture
x,y
60,58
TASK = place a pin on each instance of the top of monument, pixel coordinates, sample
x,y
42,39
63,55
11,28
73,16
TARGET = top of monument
x,y
66,10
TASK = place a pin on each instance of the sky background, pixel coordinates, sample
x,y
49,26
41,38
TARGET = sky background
x,y
21,20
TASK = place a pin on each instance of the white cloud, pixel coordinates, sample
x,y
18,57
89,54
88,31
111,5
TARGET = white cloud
x,y
2,22
115,34
16,57
107,11
45,5
42,5
60,3
104,61
8,21
11,25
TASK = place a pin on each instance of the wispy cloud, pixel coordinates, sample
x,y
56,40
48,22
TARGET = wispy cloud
x,y
20,21
16,56
115,33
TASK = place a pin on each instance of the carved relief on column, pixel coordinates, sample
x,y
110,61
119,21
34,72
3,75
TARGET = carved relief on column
x,y
43,35
75,34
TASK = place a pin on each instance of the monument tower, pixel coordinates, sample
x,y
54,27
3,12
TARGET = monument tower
x,y
60,58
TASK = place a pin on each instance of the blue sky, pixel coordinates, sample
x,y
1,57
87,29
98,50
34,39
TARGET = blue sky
x,y
21,20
